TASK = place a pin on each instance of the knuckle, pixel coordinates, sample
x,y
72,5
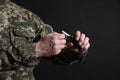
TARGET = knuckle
x,y
54,38
87,38
87,46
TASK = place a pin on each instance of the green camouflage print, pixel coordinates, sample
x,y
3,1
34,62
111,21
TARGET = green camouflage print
x,y
19,30
18,74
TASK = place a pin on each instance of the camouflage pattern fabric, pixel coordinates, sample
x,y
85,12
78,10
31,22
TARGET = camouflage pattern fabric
x,y
18,74
19,30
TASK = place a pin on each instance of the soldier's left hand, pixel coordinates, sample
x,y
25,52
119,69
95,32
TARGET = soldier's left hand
x,y
83,42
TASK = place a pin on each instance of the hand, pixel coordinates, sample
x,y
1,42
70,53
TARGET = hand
x,y
50,45
83,42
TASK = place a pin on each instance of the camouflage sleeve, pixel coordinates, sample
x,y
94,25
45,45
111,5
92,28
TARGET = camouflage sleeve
x,y
18,37
16,45
24,36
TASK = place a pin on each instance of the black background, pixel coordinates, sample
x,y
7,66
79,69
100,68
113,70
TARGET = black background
x,y
98,19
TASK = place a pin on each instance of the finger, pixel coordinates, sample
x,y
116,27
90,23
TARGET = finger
x,y
86,46
58,42
77,35
84,49
82,37
61,47
58,47
61,36
61,42
86,41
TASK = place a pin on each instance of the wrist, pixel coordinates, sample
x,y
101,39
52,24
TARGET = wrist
x,y
38,50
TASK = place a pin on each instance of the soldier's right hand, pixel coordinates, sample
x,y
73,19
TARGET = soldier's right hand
x,y
50,45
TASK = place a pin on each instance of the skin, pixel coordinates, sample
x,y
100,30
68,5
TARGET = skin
x,y
83,42
53,43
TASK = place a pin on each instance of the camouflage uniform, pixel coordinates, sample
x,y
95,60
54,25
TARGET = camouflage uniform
x,y
19,30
